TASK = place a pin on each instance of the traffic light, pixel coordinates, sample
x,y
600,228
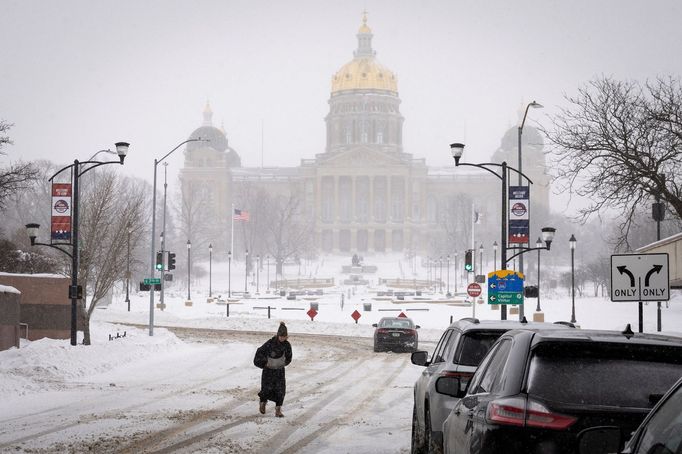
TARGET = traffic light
x,y
171,261
468,260
159,261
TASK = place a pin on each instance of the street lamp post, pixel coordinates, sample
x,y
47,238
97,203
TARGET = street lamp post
x,y
457,149
658,214
189,268
229,274
246,272
153,252
456,272
74,293
448,273
267,262
258,273
534,105
210,270
572,241
128,268
494,255
440,274
538,245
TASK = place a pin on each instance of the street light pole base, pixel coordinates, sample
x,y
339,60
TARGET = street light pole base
x,y
188,303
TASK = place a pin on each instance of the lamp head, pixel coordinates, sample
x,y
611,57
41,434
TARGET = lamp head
x,y
480,248
229,255
189,244
122,150
495,246
210,247
548,235
538,243
32,230
536,105
572,241
456,149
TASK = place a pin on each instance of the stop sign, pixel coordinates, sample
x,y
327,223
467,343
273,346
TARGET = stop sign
x,y
473,290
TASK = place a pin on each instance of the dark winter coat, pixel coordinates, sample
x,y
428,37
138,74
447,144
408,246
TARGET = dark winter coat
x,y
272,357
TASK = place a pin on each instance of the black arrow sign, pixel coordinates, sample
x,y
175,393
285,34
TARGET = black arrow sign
x,y
624,270
655,269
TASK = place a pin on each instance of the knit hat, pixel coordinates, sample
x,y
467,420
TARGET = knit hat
x,y
282,331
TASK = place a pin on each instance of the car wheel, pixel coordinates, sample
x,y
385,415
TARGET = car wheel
x,y
376,348
430,444
417,444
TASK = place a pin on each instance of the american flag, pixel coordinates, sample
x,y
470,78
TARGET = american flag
x,y
240,215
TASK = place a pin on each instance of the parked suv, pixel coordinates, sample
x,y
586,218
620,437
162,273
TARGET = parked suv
x,y
457,354
537,390
660,433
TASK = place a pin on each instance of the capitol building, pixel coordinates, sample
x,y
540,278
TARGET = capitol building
x,y
363,193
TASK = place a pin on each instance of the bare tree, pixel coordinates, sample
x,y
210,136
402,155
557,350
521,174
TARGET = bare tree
x,y
619,144
15,176
110,205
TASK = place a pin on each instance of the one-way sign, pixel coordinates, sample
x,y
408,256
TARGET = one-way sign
x,y
643,277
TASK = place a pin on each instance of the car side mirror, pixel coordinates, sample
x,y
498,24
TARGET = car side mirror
x,y
450,386
599,440
374,325
419,358
417,327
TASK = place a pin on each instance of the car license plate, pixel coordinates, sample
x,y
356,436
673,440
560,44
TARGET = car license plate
x,y
396,334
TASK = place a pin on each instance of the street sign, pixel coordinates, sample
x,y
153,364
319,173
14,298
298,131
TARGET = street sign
x,y
402,315
312,313
640,277
152,280
473,290
505,287
356,315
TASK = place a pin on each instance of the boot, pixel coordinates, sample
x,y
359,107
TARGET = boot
x,y
262,408
278,412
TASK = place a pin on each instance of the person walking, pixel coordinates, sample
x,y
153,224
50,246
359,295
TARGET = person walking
x,y
273,356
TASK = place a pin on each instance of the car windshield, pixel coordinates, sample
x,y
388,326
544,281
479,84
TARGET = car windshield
x,y
474,346
395,323
603,374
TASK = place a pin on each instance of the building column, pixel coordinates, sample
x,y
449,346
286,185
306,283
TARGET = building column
x,y
370,218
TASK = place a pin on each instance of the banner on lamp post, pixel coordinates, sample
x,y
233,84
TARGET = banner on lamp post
x,y
519,214
61,213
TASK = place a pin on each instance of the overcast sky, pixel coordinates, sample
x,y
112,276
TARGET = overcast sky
x,y
77,76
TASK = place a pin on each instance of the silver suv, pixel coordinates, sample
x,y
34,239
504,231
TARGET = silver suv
x,y
457,354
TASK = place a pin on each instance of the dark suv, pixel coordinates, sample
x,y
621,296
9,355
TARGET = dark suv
x,y
457,354
537,390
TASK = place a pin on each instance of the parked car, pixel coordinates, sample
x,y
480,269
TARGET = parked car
x,y
537,390
659,433
395,333
457,354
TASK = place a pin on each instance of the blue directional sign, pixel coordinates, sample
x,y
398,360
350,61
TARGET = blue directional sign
x,y
505,287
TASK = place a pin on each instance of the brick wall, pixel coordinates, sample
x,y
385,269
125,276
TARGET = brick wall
x,y
45,304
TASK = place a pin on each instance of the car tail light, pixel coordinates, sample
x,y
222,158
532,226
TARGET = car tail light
x,y
411,332
465,376
518,411
382,330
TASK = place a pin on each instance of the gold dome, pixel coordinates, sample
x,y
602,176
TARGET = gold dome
x,y
364,71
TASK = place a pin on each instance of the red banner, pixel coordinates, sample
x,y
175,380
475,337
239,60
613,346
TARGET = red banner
x,y
61,213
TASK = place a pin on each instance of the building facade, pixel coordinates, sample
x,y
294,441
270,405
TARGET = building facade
x,y
364,193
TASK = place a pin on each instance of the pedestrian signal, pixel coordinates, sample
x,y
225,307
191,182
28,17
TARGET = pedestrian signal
x,y
159,261
468,260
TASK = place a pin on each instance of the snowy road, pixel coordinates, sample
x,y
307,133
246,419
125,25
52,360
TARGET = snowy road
x,y
341,397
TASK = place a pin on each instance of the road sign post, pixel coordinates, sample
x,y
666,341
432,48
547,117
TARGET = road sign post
x,y
640,277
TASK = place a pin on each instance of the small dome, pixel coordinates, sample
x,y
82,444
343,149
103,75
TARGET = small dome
x,y
216,137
